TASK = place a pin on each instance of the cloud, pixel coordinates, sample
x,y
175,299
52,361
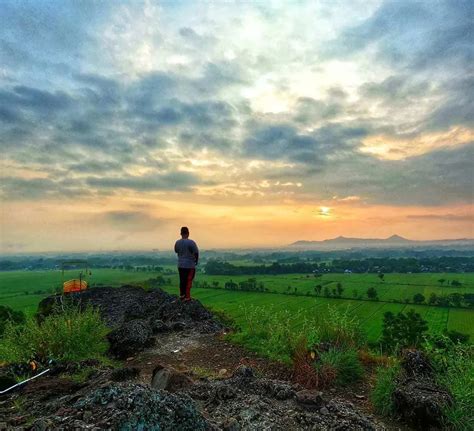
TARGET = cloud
x,y
77,102
415,35
137,221
468,218
179,181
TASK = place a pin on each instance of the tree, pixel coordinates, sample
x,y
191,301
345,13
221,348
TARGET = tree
x,y
456,283
327,293
441,281
317,289
372,293
433,299
402,330
381,275
340,289
418,298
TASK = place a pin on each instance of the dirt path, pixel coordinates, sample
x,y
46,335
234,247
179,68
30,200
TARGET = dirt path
x,y
211,356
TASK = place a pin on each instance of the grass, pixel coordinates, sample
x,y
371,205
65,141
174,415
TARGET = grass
x,y
345,363
14,284
454,366
381,395
17,288
370,314
72,335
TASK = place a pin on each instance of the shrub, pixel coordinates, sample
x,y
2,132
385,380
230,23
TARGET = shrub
x,y
337,328
69,335
345,363
7,314
269,332
402,330
454,366
381,395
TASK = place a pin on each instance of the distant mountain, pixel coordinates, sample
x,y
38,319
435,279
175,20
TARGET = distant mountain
x,y
342,242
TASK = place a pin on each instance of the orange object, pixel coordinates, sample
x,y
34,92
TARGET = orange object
x,y
74,286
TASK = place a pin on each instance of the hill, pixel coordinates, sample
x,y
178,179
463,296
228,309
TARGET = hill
x,y
394,241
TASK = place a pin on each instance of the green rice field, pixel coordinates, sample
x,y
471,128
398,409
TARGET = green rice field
x,y
20,290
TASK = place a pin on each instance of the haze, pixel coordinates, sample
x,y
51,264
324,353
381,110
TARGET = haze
x,y
253,123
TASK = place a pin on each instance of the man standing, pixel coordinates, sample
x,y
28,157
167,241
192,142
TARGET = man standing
x,y
188,256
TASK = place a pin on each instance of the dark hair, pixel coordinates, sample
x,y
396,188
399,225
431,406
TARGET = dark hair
x,y
184,230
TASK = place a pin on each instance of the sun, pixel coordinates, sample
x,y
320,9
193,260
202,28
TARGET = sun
x,y
324,211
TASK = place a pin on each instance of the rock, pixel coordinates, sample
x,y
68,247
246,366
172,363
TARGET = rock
x,y
169,379
417,397
118,305
130,338
178,326
249,414
243,372
222,372
420,401
160,378
133,406
158,326
7,380
415,363
126,373
231,425
324,411
309,398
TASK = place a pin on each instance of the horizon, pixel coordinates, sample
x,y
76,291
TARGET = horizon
x,y
230,249
257,125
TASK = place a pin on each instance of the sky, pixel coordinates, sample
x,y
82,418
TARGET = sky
x,y
254,123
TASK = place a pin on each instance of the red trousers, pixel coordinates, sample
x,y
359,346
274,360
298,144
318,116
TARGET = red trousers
x,y
186,276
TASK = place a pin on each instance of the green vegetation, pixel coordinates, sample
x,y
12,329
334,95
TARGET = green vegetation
x,y
381,395
402,330
17,291
454,365
345,363
23,290
7,314
70,335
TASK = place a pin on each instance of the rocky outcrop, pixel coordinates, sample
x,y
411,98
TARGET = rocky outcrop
x,y
128,407
247,402
136,315
131,337
417,398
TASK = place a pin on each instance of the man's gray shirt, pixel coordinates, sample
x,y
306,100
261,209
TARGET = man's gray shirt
x,y
187,251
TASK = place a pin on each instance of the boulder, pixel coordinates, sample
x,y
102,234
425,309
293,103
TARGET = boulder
x,y
169,379
125,373
420,401
309,398
130,338
417,397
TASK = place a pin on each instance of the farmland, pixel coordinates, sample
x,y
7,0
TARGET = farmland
x,y
22,290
